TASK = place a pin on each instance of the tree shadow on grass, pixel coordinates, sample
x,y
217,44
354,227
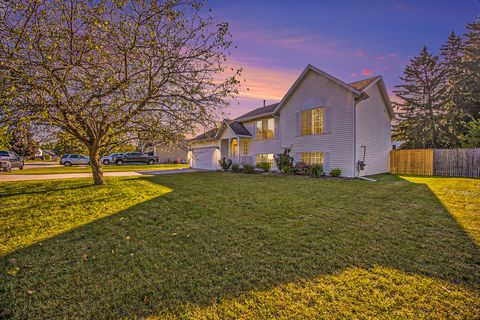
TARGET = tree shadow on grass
x,y
217,236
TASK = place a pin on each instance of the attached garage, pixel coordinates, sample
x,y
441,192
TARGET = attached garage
x,y
204,158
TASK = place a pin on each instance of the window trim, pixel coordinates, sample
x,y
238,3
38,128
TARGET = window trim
x,y
245,148
266,132
310,153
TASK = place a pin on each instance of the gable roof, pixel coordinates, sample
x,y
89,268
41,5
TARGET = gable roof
x,y
237,127
303,75
363,84
357,88
208,135
367,83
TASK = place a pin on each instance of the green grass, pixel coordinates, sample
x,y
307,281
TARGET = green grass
x,y
87,169
229,246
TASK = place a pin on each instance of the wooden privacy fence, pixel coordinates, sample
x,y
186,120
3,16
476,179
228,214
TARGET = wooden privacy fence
x,y
436,162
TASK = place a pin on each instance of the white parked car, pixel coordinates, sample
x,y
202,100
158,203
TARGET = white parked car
x,y
74,159
106,160
9,160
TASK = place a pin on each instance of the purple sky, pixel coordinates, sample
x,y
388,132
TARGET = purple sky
x,y
349,39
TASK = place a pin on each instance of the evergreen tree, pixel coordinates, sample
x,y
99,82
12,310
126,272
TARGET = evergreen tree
x,y
453,123
422,97
470,85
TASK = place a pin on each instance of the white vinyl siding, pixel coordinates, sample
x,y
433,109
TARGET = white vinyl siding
x,y
337,140
374,132
263,146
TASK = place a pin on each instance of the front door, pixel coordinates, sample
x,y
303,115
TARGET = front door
x,y
234,149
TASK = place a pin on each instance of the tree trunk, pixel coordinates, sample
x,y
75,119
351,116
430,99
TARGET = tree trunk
x,y
96,164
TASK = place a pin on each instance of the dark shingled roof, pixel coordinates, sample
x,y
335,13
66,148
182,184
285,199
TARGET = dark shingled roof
x,y
238,128
362,84
210,134
259,111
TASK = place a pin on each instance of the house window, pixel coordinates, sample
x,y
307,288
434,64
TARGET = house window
x,y
265,157
312,121
311,157
265,129
245,148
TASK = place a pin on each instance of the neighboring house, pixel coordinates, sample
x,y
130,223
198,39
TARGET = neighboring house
x,y
172,154
322,119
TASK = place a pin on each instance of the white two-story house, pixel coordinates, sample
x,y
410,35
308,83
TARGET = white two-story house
x,y
321,119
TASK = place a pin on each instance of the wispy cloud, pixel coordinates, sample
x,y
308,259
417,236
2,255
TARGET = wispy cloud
x,y
293,39
266,83
389,56
261,83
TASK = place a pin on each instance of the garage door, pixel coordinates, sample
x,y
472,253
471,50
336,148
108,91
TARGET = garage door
x,y
204,158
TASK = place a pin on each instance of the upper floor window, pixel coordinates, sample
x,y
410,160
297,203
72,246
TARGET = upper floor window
x,y
265,129
312,121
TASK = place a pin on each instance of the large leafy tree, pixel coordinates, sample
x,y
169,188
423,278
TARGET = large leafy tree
x,y
105,70
421,105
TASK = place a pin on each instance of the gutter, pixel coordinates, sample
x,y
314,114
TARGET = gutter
x,y
354,139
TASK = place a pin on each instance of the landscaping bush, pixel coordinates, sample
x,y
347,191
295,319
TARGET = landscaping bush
x,y
288,170
265,166
301,168
284,161
235,167
336,172
225,163
248,168
316,170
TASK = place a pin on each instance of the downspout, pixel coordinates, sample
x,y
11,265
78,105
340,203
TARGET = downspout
x,y
354,138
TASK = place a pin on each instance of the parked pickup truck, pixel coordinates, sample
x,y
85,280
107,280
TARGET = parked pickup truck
x,y
135,157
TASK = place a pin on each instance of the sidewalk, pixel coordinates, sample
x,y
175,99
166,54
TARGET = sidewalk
x,y
10,178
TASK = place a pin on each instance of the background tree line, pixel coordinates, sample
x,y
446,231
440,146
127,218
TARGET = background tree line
x,y
439,103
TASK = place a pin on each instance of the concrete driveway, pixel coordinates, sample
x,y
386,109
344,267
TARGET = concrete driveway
x,y
28,177
41,164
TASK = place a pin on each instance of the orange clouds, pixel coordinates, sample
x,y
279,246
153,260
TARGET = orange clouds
x,y
367,72
264,82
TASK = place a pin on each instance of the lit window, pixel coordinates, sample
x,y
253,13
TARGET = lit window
x,y
265,157
312,157
312,121
265,129
245,148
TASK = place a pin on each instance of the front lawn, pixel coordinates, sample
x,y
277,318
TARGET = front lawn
x,y
228,246
88,169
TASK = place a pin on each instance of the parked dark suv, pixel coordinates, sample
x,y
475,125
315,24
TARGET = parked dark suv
x,y
135,157
9,160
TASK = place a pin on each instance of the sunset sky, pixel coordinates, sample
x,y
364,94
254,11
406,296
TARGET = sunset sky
x,y
349,39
